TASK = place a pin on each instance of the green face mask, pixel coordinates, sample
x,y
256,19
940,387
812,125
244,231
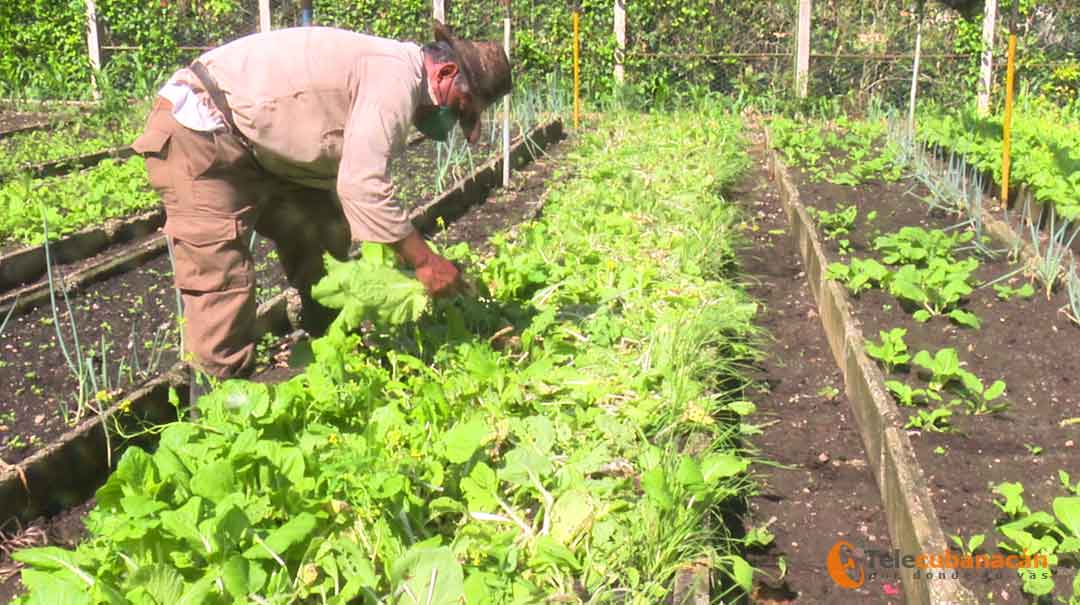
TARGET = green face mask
x,y
438,124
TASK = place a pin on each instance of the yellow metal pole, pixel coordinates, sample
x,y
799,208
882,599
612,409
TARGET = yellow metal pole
x,y
577,72
1010,75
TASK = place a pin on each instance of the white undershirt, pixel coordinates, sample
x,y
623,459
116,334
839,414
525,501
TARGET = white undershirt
x,y
190,109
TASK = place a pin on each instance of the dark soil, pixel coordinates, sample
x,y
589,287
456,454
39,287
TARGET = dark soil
x,y
65,530
1030,344
817,487
132,313
521,201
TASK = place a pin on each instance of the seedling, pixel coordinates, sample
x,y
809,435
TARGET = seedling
x,y
1050,259
938,289
1033,449
935,420
859,275
1006,292
971,545
918,246
946,375
906,395
836,224
892,352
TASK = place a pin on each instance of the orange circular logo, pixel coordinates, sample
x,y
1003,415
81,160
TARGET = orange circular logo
x,y
841,559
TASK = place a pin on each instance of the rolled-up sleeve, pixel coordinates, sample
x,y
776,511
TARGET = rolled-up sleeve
x,y
375,128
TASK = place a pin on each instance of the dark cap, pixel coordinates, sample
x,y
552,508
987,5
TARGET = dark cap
x,y
486,69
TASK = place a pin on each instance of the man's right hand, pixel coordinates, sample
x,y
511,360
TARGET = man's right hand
x,y
440,276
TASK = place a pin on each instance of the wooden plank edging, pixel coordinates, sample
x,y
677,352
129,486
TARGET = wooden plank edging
x,y
913,524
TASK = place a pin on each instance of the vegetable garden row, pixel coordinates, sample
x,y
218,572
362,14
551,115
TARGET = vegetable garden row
x,y
574,431
975,341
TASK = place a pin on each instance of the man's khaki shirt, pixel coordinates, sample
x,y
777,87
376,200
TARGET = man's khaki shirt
x,y
325,108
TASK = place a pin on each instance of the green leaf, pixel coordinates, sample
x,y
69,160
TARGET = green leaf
x,y
551,553
921,316
214,480
427,576
965,318
994,391
480,487
721,465
741,572
462,441
47,588
1067,510
293,532
234,574
654,484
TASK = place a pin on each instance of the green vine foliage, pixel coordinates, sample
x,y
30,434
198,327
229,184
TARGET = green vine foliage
x,y
671,44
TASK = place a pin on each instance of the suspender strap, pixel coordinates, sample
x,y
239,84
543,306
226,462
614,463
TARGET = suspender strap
x,y
216,95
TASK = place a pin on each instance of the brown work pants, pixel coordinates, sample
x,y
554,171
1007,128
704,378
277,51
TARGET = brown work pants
x,y
215,194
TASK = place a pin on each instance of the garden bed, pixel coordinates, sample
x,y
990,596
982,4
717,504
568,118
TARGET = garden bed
x,y
818,488
115,297
609,550
1028,343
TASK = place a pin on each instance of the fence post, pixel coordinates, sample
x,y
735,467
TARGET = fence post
x,y
915,70
93,46
438,10
802,60
986,67
620,40
506,103
264,15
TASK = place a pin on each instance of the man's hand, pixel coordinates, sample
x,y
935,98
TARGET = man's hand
x,y
440,276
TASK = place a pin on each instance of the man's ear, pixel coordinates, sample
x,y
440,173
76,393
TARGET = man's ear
x,y
447,70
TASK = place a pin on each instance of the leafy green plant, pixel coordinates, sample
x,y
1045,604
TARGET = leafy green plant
x,y
938,289
919,246
935,420
1006,292
892,351
971,545
1055,538
859,275
836,224
109,190
947,375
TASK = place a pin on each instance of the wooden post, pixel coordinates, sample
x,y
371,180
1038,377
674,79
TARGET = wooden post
x,y
915,70
506,103
264,16
802,56
1010,81
620,40
93,46
438,10
577,70
986,65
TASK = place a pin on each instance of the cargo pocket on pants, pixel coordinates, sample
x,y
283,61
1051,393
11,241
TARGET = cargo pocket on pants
x,y
208,254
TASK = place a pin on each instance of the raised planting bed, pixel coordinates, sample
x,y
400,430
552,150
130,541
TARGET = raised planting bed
x,y
126,312
1045,148
73,133
914,284
817,487
572,435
